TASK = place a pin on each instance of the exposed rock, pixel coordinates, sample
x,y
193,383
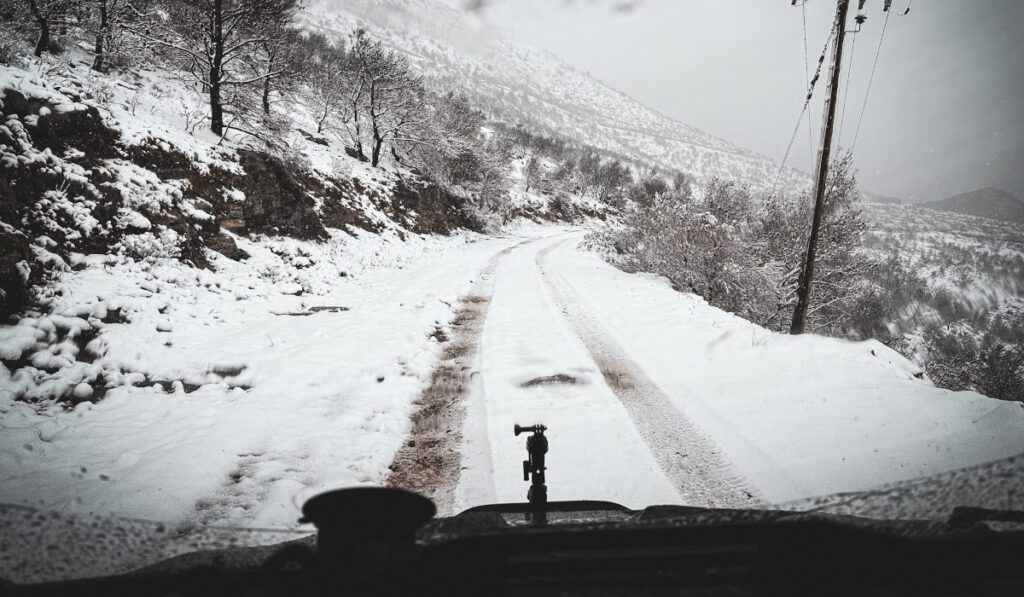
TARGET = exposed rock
x,y
24,182
275,200
352,152
59,130
427,208
225,245
314,138
339,208
235,225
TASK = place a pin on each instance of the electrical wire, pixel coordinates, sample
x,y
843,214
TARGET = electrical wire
x,y
807,78
871,78
810,94
846,92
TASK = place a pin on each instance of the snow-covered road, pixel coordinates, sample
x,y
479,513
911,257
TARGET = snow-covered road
x,y
652,396
613,434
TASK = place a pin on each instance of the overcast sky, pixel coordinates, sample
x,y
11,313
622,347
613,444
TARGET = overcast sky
x,y
945,113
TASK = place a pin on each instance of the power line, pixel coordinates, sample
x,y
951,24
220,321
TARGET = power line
x,y
867,92
810,94
807,79
846,92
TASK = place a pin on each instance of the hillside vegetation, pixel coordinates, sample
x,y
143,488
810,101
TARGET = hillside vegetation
x,y
955,290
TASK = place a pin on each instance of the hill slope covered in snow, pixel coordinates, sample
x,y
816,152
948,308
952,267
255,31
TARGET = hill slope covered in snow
x,y
987,203
517,83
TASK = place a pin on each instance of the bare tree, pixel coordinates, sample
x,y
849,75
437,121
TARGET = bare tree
x,y
387,97
213,37
447,143
276,61
531,172
327,82
46,13
108,21
492,190
612,179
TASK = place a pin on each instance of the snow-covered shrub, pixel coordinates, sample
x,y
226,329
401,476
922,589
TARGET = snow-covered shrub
x,y
192,113
486,221
744,254
1000,372
149,246
702,246
65,215
983,353
99,89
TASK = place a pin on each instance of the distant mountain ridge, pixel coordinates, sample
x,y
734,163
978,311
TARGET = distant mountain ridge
x,y
519,84
869,197
989,202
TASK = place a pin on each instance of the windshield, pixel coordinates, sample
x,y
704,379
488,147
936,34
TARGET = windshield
x,y
755,255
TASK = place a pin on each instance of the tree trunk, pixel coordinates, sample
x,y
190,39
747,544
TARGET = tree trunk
x,y
378,141
217,32
216,111
97,62
44,28
359,135
320,123
378,144
266,96
44,37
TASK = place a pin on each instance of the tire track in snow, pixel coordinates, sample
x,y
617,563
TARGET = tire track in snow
x,y
429,461
691,460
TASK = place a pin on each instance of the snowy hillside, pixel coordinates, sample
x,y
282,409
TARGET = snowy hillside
x,y
988,203
955,294
974,265
517,83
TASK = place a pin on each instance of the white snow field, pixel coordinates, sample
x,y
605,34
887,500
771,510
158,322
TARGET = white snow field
x,y
797,416
793,416
650,395
644,380
291,399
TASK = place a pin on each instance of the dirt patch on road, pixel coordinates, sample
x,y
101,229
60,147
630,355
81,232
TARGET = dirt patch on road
x,y
558,378
429,460
615,375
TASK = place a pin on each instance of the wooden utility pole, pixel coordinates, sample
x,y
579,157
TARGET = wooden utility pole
x,y
803,292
